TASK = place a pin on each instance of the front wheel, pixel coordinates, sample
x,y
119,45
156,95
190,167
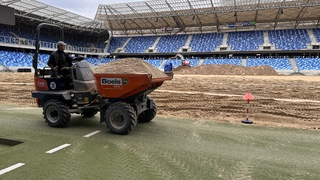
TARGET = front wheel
x,y
56,113
120,118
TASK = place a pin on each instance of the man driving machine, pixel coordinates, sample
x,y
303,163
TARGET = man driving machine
x,y
59,59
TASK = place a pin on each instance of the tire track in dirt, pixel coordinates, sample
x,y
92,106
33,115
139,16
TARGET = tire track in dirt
x,y
154,161
71,162
242,170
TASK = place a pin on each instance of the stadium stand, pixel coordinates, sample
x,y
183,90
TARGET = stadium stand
x,y
206,42
275,63
154,62
170,43
289,39
15,59
308,63
116,42
220,61
245,41
140,44
203,43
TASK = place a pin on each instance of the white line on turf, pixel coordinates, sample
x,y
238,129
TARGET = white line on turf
x,y
57,148
91,134
11,168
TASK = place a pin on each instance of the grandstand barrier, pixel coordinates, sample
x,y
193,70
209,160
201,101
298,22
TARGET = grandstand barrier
x,y
313,46
267,47
185,49
24,70
151,50
224,48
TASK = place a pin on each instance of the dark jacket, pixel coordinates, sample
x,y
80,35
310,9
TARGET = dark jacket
x,y
59,59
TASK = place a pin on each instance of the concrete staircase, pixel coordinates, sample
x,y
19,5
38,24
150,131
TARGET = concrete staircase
x,y
162,64
311,35
266,37
188,40
225,39
200,62
244,62
294,65
156,42
127,41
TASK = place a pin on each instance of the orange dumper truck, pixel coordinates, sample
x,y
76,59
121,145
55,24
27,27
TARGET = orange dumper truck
x,y
121,99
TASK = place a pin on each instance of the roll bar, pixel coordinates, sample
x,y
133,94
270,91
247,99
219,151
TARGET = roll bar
x,y
37,48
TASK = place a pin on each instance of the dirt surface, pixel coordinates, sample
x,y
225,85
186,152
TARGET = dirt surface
x,y
225,69
284,101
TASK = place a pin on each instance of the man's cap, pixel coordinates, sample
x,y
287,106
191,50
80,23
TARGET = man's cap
x,y
61,43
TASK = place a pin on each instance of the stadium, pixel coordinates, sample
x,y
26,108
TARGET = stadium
x,y
268,48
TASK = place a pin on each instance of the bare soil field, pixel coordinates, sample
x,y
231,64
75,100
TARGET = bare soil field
x,y
283,101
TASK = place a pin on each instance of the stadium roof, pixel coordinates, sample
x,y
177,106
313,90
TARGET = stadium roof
x,y
35,10
208,15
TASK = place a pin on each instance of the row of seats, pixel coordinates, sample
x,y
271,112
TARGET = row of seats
x,y
49,40
245,41
19,59
292,39
289,39
218,61
275,63
206,42
308,63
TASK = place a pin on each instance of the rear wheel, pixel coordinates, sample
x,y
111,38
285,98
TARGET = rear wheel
x,y
56,113
148,115
120,118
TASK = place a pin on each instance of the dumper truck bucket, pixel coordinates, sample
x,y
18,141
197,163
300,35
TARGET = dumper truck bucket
x,y
122,86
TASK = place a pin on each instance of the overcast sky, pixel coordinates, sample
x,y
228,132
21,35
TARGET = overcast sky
x,y
87,8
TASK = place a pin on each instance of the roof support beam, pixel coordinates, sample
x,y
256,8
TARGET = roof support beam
x,y
10,2
117,21
109,23
55,15
176,18
137,14
280,12
215,15
156,13
257,11
195,15
34,9
301,14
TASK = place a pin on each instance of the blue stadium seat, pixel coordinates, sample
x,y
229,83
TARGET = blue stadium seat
x,y
206,42
220,61
289,39
245,41
140,44
172,43
275,63
116,42
308,63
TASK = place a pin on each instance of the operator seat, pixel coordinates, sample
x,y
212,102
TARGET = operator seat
x,y
83,78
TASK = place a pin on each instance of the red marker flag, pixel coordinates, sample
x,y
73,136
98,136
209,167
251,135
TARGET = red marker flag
x,y
248,96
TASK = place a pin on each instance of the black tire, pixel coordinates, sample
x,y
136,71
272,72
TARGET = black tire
x,y
148,115
121,118
89,114
56,113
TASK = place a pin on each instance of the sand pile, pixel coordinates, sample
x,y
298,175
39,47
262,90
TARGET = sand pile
x,y
129,66
227,70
